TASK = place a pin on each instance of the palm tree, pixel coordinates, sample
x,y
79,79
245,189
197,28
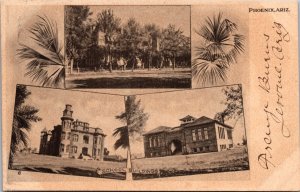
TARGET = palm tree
x,y
45,63
220,47
109,24
135,119
23,116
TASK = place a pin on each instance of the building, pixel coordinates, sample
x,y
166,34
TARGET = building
x,y
72,139
191,136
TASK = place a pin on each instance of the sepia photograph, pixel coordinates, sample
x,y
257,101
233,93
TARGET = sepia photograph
x,y
219,46
67,132
127,46
187,132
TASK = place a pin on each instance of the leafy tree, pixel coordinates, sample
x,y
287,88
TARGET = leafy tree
x,y
109,24
24,115
220,48
45,63
130,40
233,103
172,38
77,33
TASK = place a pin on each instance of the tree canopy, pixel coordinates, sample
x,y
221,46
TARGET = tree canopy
x,y
135,119
24,115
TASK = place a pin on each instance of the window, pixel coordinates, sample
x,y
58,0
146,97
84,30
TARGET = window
x,y
75,138
95,140
230,145
63,136
74,149
100,139
150,142
67,149
205,133
229,134
154,142
158,141
195,150
221,132
194,135
62,147
86,129
69,135
86,139
200,135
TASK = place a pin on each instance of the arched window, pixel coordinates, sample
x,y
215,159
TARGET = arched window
x,y
62,147
86,139
67,149
75,137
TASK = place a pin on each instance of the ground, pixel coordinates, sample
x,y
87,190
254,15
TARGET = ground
x,y
230,160
52,164
154,78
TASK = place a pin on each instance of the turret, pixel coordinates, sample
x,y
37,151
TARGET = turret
x,y
67,123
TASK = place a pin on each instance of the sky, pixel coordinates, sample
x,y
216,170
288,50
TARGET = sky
x,y
167,108
97,109
159,15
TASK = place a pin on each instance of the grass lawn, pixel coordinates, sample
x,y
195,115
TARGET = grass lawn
x,y
179,78
52,164
231,160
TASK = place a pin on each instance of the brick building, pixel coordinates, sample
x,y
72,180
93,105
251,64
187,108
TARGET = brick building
x,y
191,136
72,139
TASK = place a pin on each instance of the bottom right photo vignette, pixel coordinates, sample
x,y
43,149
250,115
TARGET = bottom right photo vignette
x,y
190,132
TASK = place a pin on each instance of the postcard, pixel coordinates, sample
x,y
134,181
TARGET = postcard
x,y
150,95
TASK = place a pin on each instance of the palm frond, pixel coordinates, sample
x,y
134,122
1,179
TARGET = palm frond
x,y
44,60
220,47
209,73
123,140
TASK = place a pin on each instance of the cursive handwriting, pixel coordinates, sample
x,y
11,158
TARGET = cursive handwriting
x,y
271,84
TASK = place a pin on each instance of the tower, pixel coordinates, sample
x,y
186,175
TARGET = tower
x,y
66,124
43,141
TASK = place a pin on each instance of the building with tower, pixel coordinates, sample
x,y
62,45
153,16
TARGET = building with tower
x,y
193,135
72,139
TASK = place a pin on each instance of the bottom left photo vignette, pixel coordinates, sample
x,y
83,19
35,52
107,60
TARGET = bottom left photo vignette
x,y
66,132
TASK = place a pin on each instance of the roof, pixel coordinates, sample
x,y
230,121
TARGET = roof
x,y
158,130
187,117
204,120
200,121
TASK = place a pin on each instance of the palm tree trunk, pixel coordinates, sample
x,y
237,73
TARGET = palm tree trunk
x,y
110,58
128,165
71,66
174,63
150,60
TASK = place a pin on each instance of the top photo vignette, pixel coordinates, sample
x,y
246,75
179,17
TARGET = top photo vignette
x,y
108,47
